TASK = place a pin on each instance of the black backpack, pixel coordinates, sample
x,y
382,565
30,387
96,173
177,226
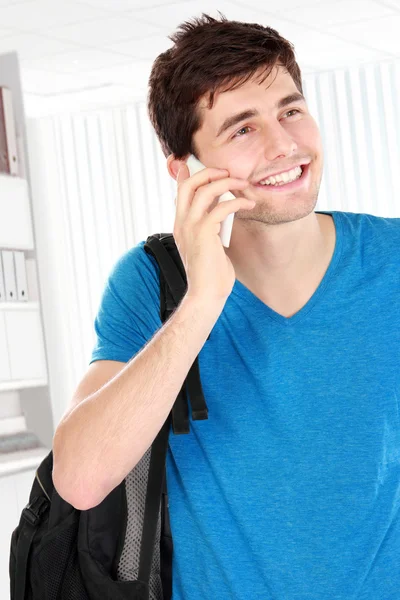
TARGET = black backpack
x,y
61,553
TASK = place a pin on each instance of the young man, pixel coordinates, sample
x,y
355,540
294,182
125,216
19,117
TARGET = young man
x,y
290,489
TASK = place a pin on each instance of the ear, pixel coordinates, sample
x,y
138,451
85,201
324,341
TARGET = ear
x,y
174,164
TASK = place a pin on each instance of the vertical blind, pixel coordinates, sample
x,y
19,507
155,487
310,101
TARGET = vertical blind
x,y
100,185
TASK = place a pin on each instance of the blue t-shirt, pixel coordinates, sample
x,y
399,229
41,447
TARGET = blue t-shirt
x,y
291,489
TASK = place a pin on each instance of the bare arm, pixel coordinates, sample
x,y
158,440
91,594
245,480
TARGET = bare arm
x,y
108,430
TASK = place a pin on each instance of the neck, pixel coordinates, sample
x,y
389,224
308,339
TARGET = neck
x,y
281,255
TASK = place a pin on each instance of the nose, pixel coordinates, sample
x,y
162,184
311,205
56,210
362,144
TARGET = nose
x,y
278,142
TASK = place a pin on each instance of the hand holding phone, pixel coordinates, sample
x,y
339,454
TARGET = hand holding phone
x,y
195,166
197,229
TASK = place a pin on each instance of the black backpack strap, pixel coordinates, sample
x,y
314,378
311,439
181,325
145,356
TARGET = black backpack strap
x,y
196,396
173,286
180,413
30,519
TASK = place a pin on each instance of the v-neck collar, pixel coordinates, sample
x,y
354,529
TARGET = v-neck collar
x,y
241,290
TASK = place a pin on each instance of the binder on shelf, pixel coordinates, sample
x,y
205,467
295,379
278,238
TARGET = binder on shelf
x,y
31,278
2,288
20,276
10,283
8,136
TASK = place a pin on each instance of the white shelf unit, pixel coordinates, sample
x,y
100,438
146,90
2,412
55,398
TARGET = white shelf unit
x,y
25,402
22,384
15,462
16,230
20,306
23,360
22,352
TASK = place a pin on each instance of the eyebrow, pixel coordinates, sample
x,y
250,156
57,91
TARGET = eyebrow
x,y
252,112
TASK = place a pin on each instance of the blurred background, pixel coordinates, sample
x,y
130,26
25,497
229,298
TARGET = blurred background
x,y
83,179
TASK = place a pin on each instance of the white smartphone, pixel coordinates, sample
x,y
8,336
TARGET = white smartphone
x,y
195,166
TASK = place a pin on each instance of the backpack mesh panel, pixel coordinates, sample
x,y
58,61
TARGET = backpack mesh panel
x,y
73,580
128,568
62,546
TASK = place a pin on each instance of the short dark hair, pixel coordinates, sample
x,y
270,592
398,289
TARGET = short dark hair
x,y
209,56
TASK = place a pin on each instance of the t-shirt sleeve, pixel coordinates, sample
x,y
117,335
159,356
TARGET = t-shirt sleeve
x,y
129,311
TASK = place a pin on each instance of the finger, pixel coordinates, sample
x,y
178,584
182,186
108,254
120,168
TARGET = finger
x,y
223,209
206,198
187,186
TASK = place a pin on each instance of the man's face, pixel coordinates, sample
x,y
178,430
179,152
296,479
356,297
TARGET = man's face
x,y
276,139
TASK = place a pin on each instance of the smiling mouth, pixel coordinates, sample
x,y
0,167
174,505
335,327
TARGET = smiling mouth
x,y
286,185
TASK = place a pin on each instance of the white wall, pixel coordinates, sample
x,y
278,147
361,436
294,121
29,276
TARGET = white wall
x,y
100,185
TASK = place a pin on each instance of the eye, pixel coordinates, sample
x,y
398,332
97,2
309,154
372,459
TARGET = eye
x,y
295,110
236,134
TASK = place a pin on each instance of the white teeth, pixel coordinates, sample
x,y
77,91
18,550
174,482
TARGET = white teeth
x,y
282,178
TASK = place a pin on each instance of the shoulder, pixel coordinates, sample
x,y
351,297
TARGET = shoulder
x,y
129,310
368,224
132,288
375,238
134,264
